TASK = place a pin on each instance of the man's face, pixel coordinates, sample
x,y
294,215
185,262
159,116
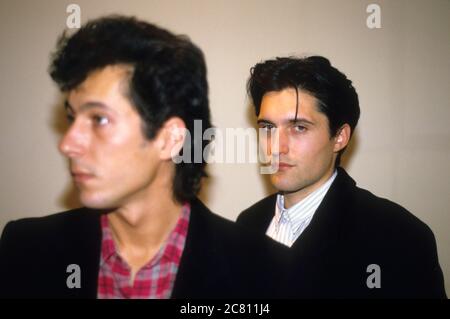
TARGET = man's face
x,y
306,153
111,161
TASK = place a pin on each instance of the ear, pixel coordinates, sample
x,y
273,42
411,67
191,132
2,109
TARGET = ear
x,y
171,138
342,137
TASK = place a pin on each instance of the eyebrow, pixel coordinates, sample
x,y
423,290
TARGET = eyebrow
x,y
87,106
290,121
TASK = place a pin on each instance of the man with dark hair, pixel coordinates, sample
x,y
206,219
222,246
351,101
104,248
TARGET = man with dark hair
x,y
133,92
349,243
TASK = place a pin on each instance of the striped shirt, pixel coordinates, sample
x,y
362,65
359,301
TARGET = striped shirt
x,y
288,224
153,281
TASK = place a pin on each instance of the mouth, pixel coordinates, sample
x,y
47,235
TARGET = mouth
x,y
282,166
81,177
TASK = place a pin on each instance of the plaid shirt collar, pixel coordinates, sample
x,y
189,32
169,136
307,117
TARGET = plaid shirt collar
x,y
169,254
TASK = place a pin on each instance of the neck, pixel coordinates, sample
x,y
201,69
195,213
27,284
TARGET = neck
x,y
142,225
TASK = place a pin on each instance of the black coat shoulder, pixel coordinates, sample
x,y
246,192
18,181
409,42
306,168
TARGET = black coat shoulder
x,y
219,253
35,254
258,216
48,227
353,229
383,220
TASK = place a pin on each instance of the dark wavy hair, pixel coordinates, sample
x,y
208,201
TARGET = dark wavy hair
x,y
336,96
168,79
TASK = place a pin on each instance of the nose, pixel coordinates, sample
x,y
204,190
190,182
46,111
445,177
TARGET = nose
x,y
73,143
280,142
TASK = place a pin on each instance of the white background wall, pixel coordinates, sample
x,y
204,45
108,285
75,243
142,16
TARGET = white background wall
x,y
401,72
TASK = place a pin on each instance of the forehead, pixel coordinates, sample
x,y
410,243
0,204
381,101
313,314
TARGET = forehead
x,y
277,106
107,85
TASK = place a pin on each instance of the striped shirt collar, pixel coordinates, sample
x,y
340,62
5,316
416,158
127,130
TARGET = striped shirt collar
x,y
303,210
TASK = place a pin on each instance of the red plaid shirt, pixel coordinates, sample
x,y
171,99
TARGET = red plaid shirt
x,y
153,281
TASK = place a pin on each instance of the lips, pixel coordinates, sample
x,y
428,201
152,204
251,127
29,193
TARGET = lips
x,y
282,166
81,176
285,165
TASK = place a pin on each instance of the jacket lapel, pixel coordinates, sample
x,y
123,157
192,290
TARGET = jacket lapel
x,y
82,246
325,228
201,256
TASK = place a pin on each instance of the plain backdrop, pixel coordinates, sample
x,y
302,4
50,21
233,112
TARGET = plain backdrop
x,y
401,149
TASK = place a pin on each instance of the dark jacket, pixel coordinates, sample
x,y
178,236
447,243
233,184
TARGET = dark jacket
x,y
352,229
218,261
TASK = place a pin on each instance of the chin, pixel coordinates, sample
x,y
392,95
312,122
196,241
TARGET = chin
x,y
284,185
95,201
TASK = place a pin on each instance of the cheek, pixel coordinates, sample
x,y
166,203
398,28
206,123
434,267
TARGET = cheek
x,y
135,160
122,157
128,174
313,150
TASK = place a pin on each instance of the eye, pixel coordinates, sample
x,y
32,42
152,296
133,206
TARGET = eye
x,y
100,120
299,128
266,127
70,118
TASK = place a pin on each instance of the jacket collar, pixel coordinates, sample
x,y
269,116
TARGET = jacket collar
x,y
79,244
326,224
200,256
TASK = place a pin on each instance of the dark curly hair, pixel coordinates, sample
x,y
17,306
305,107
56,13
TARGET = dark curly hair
x,y
336,96
168,79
